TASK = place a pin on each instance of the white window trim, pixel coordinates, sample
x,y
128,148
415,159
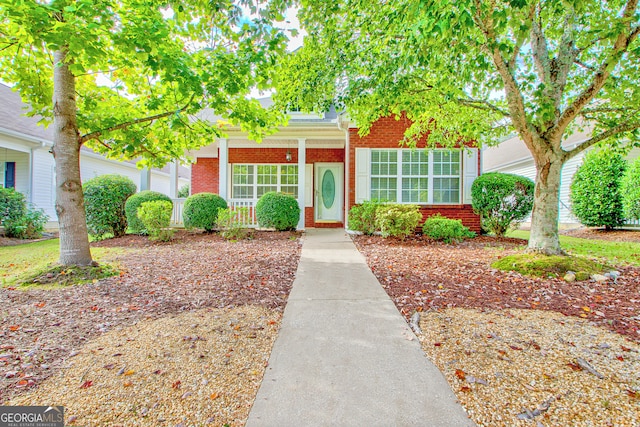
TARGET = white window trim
x,y
255,184
430,177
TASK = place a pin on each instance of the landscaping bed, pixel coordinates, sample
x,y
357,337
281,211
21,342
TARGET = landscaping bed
x,y
44,331
512,346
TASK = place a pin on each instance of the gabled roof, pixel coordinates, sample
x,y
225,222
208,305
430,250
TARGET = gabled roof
x,y
12,116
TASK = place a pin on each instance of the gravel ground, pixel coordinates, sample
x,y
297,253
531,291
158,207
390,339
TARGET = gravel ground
x,y
527,367
203,367
40,330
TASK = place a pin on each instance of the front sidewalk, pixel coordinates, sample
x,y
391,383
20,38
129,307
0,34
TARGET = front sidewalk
x,y
344,355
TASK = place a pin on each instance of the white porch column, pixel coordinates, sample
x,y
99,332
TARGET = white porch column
x,y
173,179
223,159
145,179
302,160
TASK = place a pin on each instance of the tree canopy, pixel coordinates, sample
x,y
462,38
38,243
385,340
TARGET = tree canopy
x,y
478,70
144,69
129,77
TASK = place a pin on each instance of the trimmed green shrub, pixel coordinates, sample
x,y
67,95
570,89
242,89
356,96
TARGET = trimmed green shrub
x,y
362,217
201,210
502,200
133,203
278,210
104,200
183,192
156,217
447,230
20,219
28,226
230,223
595,195
397,220
13,205
631,191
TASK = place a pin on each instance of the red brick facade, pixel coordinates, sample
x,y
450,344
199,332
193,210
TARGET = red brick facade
x,y
387,132
205,176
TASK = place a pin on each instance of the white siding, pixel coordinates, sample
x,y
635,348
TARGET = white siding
x,y
44,182
469,172
363,164
22,169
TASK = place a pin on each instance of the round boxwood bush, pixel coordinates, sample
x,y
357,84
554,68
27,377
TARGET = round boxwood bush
x,y
278,210
201,210
502,200
631,191
133,203
596,199
13,205
104,199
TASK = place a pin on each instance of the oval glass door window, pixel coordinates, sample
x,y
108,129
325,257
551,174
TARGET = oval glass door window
x,y
328,189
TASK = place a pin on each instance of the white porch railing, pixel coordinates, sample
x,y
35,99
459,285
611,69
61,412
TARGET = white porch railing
x,y
248,220
176,216
632,223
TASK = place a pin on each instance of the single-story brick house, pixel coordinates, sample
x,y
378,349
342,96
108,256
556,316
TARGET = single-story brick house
x,y
328,167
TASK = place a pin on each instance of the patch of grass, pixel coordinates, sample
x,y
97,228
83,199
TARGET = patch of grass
x,y
540,265
21,264
613,252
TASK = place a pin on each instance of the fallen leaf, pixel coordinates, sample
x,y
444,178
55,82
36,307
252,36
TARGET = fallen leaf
x,y
625,348
465,389
437,344
633,394
514,347
620,358
40,304
127,384
86,384
176,385
109,366
14,328
129,372
214,396
574,366
460,374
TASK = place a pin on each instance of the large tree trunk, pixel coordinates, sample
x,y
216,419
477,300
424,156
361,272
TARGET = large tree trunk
x,y
544,218
74,239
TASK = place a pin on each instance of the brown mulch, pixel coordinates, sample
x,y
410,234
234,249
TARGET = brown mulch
x,y
41,329
420,275
602,234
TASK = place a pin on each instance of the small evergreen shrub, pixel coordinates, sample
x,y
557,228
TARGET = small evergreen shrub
x,y
29,226
502,200
156,218
447,230
201,210
362,217
595,195
183,192
18,218
278,210
631,191
230,223
397,220
104,201
133,203
13,205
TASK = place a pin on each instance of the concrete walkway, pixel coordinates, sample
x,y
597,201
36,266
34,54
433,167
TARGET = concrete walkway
x,y
344,355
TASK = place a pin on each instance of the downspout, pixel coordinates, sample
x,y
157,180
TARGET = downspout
x,y
347,172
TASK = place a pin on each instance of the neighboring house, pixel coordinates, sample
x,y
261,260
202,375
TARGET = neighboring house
x,y
323,162
27,165
512,156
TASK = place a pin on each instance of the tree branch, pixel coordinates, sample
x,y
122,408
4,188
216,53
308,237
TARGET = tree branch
x,y
622,127
514,97
480,104
520,40
98,133
599,79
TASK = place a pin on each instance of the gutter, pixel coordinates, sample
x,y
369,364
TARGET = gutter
x,y
32,139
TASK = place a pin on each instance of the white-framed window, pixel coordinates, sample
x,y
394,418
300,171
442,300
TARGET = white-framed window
x,y
416,176
252,181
